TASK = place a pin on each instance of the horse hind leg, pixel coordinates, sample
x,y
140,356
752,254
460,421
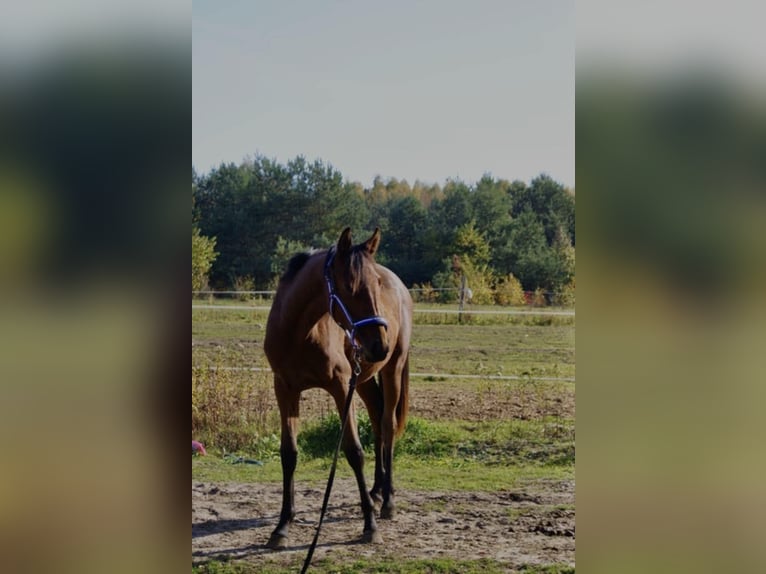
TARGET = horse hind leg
x,y
392,381
288,450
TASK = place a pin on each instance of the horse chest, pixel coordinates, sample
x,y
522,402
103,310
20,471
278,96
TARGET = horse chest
x,y
312,362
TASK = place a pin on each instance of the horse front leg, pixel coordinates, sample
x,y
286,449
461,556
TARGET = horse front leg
x,y
352,448
372,395
288,451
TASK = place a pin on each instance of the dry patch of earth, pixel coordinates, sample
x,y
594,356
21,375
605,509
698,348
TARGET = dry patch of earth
x,y
531,525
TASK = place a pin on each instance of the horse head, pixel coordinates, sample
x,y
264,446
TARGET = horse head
x,y
357,284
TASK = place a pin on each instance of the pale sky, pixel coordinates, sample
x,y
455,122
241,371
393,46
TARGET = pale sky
x,y
426,90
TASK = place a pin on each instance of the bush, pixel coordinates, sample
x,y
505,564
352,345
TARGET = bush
x,y
509,292
448,284
243,284
479,279
424,293
538,298
566,296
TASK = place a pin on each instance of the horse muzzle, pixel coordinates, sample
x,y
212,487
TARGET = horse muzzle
x,y
376,352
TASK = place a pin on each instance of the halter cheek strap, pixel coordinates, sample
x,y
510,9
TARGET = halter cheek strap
x,y
335,300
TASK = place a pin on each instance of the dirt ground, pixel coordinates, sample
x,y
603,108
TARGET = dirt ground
x,y
445,400
532,525
494,401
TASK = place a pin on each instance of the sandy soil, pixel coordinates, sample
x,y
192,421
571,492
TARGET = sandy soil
x,y
531,525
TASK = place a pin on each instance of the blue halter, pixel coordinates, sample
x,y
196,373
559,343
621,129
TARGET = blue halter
x,y
335,300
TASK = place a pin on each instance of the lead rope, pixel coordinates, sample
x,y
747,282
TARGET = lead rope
x,y
351,386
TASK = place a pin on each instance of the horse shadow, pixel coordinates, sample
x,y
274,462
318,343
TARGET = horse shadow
x,y
211,527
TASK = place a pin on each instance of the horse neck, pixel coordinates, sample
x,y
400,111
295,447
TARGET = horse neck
x,y
307,299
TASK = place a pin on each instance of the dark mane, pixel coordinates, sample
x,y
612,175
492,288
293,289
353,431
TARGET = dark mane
x,y
296,264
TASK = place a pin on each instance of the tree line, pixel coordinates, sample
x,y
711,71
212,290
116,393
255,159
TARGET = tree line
x,y
503,236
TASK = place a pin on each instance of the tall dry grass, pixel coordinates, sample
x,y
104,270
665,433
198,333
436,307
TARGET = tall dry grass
x,y
233,410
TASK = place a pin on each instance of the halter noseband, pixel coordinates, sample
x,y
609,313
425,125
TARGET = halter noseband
x,y
335,300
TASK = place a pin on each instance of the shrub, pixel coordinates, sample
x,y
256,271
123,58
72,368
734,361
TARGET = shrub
x,y
538,298
243,284
424,293
509,291
448,284
203,255
566,296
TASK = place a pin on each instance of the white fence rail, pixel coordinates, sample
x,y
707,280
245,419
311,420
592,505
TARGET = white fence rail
x,y
416,310
431,375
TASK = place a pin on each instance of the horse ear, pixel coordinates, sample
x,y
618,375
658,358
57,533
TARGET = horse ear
x,y
371,245
344,242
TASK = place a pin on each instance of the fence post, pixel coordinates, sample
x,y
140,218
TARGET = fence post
x,y
461,300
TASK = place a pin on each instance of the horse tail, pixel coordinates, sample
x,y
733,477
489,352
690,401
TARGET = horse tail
x,y
403,406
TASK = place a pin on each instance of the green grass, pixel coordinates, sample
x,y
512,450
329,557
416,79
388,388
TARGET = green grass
x,y
447,473
534,348
382,566
431,455
425,313
542,442
520,350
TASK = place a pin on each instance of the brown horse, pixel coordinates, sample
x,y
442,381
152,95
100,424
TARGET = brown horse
x,y
328,304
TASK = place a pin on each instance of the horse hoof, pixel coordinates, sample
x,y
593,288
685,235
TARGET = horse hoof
x,y
387,512
372,537
277,542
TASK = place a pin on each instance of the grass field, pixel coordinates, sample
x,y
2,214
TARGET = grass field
x,y
465,437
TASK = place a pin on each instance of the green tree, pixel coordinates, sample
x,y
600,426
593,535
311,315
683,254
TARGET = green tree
x,y
553,204
563,271
470,242
404,243
249,206
527,254
283,252
480,280
454,211
233,206
203,255
492,210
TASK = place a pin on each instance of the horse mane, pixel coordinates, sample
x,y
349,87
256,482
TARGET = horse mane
x,y
357,259
295,264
